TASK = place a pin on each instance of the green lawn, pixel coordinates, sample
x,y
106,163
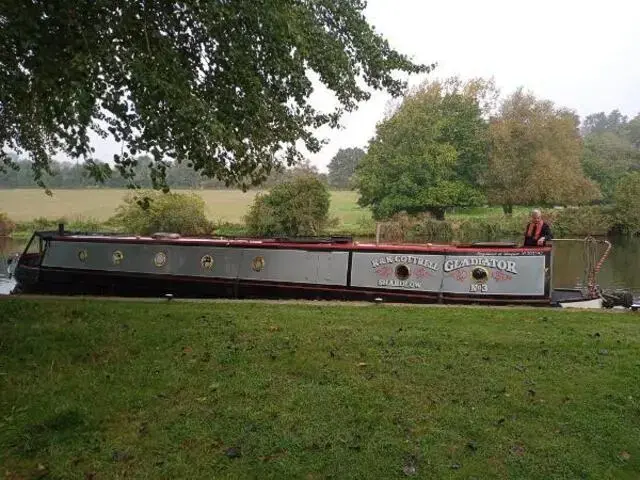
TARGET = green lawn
x,y
260,390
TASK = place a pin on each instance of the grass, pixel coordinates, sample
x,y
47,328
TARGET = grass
x,y
105,389
23,205
81,209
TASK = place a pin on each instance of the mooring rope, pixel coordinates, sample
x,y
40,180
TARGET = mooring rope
x,y
592,265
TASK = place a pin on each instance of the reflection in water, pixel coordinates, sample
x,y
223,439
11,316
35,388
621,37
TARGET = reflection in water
x,y
620,270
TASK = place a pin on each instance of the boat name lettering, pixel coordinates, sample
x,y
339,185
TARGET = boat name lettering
x,y
399,283
505,265
408,259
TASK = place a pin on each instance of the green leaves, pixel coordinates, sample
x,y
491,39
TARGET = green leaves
x,y
296,207
611,149
343,166
429,155
627,203
151,212
221,85
535,155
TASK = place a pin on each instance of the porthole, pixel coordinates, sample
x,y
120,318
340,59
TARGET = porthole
x,y
402,272
207,262
480,275
117,257
82,255
160,259
257,264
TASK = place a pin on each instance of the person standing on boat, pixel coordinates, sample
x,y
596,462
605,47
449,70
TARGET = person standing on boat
x,y
538,232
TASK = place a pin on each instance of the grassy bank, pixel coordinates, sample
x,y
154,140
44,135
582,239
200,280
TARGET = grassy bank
x,y
201,390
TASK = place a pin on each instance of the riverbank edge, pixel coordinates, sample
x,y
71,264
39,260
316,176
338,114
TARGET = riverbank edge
x,y
294,302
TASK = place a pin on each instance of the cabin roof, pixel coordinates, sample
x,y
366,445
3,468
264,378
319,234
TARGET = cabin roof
x,y
338,243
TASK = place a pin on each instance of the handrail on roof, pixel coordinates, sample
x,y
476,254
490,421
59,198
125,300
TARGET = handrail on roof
x,y
160,235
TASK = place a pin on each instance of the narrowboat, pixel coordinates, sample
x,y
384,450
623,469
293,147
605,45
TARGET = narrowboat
x,y
332,268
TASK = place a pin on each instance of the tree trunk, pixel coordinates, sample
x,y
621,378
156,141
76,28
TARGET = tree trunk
x,y
507,209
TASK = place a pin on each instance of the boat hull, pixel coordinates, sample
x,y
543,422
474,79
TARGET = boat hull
x,y
78,282
73,264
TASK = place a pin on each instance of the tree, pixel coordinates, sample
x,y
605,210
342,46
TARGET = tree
x,y
633,131
299,206
627,203
343,165
607,157
611,149
600,122
430,153
151,212
221,86
535,155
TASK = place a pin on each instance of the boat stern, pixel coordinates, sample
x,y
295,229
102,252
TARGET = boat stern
x,y
25,267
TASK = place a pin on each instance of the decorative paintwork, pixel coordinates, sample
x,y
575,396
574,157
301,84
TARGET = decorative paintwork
x,y
494,274
404,271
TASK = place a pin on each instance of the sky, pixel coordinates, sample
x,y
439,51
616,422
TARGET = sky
x,y
581,55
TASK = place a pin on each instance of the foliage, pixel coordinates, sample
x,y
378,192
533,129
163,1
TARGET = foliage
x,y
150,212
601,122
581,221
627,203
430,154
492,226
161,390
535,155
67,175
343,166
296,207
300,169
633,131
76,223
221,86
6,225
611,149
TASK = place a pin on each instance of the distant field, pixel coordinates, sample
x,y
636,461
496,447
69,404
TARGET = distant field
x,y
100,204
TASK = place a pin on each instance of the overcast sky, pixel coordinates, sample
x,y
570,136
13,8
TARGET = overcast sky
x,y
581,55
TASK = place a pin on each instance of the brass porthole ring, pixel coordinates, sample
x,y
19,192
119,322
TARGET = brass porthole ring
x,y
402,272
117,257
207,262
480,275
160,259
257,264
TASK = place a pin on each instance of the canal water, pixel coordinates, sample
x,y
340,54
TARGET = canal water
x,y
621,269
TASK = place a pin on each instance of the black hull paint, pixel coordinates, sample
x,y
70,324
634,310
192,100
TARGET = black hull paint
x,y
43,280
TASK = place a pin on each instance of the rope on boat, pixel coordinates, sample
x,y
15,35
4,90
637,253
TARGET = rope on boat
x,y
592,264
